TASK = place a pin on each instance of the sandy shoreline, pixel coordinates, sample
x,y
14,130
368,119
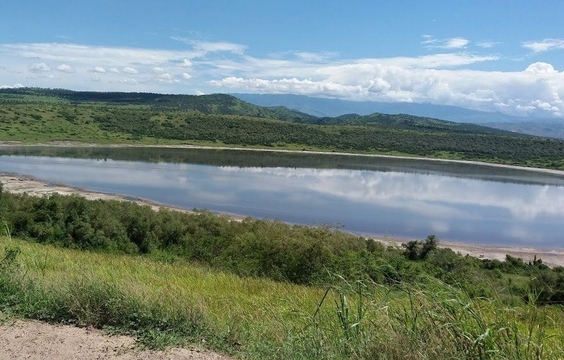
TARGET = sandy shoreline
x,y
19,184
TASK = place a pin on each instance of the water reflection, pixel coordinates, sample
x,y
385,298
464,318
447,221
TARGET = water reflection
x,y
402,204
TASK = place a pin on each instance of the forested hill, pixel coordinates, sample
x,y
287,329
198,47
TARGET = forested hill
x,y
39,116
214,104
222,104
405,121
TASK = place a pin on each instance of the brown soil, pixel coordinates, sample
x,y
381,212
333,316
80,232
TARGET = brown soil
x,y
36,340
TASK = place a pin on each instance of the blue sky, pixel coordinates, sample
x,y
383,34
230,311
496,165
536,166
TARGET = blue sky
x,y
484,55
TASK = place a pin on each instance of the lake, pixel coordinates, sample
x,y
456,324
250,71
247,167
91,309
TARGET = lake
x,y
401,198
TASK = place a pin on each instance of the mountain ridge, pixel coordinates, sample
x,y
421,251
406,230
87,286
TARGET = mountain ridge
x,y
325,107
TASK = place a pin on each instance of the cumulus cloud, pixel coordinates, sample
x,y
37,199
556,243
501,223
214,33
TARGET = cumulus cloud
x,y
449,77
39,68
130,70
15,86
166,78
449,43
186,63
66,68
537,90
540,67
544,45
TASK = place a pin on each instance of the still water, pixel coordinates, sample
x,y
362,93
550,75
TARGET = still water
x,y
366,195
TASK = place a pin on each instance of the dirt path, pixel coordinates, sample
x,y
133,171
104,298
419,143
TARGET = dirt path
x,y
36,340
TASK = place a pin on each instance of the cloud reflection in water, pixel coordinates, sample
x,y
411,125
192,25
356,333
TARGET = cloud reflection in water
x,y
393,203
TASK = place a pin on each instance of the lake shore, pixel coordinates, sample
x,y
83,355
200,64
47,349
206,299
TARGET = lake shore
x,y
187,146
19,184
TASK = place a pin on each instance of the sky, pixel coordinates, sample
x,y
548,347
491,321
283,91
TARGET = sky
x,y
505,56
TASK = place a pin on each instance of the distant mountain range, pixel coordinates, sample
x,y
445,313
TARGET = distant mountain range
x,y
322,107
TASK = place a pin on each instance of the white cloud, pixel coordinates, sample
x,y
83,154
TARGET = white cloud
x,y
456,43
211,47
128,81
449,43
538,90
95,79
167,78
540,68
442,78
544,45
15,86
39,68
487,44
306,55
130,70
186,63
202,48
66,68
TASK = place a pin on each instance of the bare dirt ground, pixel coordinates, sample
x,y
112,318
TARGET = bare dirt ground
x,y
36,340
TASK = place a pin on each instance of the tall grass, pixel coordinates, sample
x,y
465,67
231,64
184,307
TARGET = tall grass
x,y
165,304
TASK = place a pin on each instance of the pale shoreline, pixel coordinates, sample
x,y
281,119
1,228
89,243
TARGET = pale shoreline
x,y
17,183
187,146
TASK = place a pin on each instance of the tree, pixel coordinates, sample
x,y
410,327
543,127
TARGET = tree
x,y
418,250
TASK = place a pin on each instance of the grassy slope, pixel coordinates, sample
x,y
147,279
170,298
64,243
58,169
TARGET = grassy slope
x,y
252,318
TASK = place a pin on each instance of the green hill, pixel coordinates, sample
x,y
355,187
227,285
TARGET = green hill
x,y
41,115
218,104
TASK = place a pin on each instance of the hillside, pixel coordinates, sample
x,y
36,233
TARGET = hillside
x,y
323,107
39,115
218,104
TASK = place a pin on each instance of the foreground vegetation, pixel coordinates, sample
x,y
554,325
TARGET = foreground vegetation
x,y
267,249
37,115
174,304
262,289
